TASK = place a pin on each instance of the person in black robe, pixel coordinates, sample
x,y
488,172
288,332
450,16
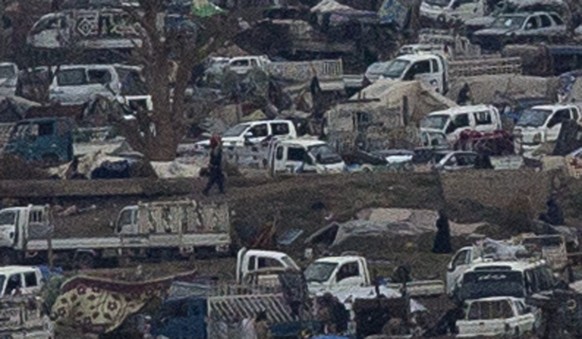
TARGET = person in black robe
x,y
442,240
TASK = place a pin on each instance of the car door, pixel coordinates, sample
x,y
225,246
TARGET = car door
x,y
458,124
525,318
554,124
484,121
349,273
31,283
457,266
532,28
258,133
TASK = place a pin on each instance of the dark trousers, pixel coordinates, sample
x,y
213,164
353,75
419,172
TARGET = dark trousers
x,y
215,177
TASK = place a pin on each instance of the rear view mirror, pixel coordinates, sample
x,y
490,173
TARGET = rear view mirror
x,y
248,135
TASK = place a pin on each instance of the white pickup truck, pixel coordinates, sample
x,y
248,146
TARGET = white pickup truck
x,y
153,230
325,274
303,156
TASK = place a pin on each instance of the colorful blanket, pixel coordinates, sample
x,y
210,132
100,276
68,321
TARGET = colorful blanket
x,y
96,305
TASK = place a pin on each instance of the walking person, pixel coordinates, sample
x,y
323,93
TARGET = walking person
x,y
215,166
442,240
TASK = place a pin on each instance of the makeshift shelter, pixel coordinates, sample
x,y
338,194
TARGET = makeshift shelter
x,y
485,87
383,113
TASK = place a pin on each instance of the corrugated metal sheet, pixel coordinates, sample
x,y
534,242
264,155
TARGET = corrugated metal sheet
x,y
231,309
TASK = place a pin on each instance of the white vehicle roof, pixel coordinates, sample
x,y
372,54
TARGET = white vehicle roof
x,y
99,66
256,122
7,270
461,109
262,253
302,142
339,260
518,265
470,301
417,56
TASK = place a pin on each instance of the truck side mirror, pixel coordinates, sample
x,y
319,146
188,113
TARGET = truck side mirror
x,y
112,224
249,134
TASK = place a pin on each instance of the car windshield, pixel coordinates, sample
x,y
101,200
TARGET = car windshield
x,y
440,3
396,68
377,68
324,154
8,218
533,117
435,121
508,22
235,131
319,271
7,72
485,284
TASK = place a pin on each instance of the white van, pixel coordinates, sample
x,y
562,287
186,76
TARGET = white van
x,y
453,121
303,156
252,132
541,124
20,279
78,84
449,11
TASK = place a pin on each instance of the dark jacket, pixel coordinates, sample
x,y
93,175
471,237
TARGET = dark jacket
x,y
216,159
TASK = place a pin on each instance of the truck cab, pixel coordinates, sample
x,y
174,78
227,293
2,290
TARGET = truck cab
x,y
45,140
541,124
453,121
334,272
20,280
17,224
429,68
243,64
251,261
303,156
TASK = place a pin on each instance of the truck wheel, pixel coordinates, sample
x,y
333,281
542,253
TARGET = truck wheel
x,y
85,261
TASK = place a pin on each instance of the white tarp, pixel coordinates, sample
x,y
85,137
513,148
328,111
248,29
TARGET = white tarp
x,y
178,168
500,250
329,6
348,294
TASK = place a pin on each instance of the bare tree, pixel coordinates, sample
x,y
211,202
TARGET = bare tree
x,y
157,133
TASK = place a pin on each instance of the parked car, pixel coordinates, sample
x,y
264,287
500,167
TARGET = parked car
x,y
253,132
454,121
494,317
457,160
521,28
449,11
541,124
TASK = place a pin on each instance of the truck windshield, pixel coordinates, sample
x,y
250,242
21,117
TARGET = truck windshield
x,y
7,218
440,3
7,72
324,154
485,284
533,117
435,121
319,271
508,22
235,131
396,69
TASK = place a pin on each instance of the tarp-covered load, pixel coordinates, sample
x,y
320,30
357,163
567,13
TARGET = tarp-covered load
x,y
382,113
499,250
485,87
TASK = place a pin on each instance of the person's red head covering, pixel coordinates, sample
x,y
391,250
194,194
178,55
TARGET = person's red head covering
x,y
215,140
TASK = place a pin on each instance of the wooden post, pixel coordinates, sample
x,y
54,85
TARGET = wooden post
x,y
49,239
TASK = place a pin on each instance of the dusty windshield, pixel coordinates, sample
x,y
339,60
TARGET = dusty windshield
x,y
396,69
377,68
7,72
319,271
486,284
508,22
7,218
533,117
435,122
235,131
440,3
325,155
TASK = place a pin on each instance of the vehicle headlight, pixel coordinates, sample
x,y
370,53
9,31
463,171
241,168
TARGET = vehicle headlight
x,y
537,139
